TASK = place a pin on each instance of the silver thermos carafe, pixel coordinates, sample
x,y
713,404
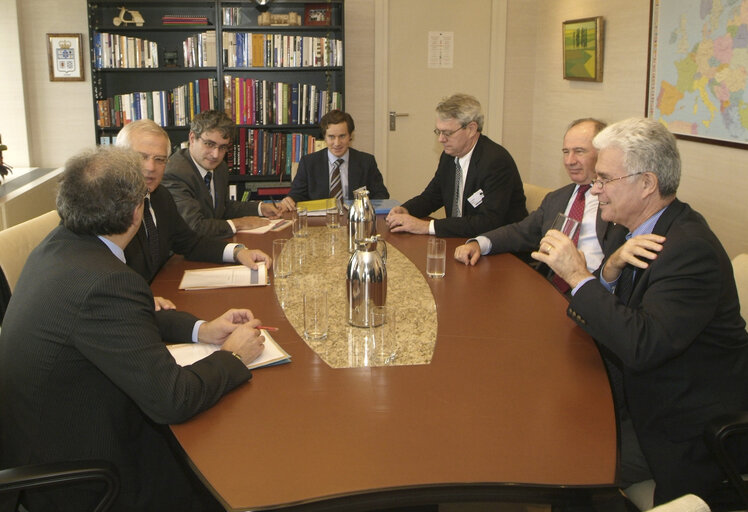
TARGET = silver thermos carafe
x,y
362,221
366,279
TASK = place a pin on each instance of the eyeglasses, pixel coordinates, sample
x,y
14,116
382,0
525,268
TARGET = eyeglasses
x,y
447,133
160,160
212,145
601,182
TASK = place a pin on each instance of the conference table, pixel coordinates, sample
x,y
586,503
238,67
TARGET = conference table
x,y
515,404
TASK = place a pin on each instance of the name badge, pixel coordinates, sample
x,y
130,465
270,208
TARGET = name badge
x,y
476,199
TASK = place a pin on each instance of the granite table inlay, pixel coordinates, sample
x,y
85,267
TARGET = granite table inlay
x,y
320,262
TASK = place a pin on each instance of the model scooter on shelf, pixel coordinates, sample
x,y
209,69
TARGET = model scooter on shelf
x,y
135,17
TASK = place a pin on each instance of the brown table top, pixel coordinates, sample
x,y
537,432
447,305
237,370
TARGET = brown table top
x,y
515,398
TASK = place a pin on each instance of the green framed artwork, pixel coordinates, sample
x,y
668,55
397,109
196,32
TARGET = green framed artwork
x,y
582,43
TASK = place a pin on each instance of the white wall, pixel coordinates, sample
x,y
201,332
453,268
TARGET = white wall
x,y
59,114
12,108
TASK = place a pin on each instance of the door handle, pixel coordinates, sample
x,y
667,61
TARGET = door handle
x,y
393,119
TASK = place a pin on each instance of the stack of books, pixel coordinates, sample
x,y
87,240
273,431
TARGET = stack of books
x,y
174,19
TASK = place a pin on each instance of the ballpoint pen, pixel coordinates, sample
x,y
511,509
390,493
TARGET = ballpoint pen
x,y
267,328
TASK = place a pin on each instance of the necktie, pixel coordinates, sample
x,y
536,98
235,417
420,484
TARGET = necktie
x,y
152,232
575,212
456,210
208,176
336,187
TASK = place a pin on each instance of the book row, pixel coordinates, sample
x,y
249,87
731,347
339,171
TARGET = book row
x,y
254,50
267,153
121,51
262,102
175,107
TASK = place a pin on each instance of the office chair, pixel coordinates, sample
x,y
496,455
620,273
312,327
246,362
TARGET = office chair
x,y
15,480
16,242
534,195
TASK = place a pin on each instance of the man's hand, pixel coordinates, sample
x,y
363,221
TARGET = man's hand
x,y
634,252
162,303
287,204
468,253
270,211
218,330
250,258
559,252
249,222
246,342
400,221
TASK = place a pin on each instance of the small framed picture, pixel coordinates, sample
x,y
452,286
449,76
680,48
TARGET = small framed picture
x,y
317,14
65,53
582,42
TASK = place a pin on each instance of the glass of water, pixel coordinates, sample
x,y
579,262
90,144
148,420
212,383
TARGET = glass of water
x,y
436,257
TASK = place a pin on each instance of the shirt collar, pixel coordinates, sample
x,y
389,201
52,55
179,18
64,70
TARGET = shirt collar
x,y
332,158
116,249
647,226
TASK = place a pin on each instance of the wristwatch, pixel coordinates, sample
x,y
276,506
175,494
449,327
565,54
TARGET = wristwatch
x,y
238,248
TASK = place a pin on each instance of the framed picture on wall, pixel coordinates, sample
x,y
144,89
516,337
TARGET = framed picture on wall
x,y
582,43
65,52
697,85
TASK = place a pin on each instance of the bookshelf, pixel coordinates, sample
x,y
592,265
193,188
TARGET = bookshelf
x,y
275,81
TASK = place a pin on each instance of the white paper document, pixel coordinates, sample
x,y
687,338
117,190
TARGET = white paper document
x,y
234,276
186,354
273,225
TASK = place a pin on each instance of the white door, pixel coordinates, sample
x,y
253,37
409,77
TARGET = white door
x,y
415,84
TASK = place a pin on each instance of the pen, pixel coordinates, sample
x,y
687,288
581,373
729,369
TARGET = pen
x,y
267,328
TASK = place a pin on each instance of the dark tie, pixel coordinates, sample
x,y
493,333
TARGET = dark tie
x,y
576,212
458,185
625,284
208,176
152,232
336,187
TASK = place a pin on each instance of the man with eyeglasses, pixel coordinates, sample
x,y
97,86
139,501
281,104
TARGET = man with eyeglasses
x,y
575,199
198,179
664,310
476,182
163,230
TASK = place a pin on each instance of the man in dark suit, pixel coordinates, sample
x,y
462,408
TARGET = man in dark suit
x,y
198,179
476,181
171,234
84,369
595,234
338,170
664,310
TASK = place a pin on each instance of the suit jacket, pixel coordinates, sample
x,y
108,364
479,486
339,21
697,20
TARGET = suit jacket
x,y
491,170
85,373
525,235
312,180
193,200
174,236
681,346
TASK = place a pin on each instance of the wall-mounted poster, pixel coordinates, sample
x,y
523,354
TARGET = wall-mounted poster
x,y
698,60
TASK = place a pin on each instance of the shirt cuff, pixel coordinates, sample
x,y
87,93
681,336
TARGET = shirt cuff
x,y
231,225
228,253
431,227
259,208
484,242
195,329
577,287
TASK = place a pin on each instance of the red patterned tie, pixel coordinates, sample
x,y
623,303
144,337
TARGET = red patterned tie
x,y
575,212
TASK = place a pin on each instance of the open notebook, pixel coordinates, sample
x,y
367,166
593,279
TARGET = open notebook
x,y
187,353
